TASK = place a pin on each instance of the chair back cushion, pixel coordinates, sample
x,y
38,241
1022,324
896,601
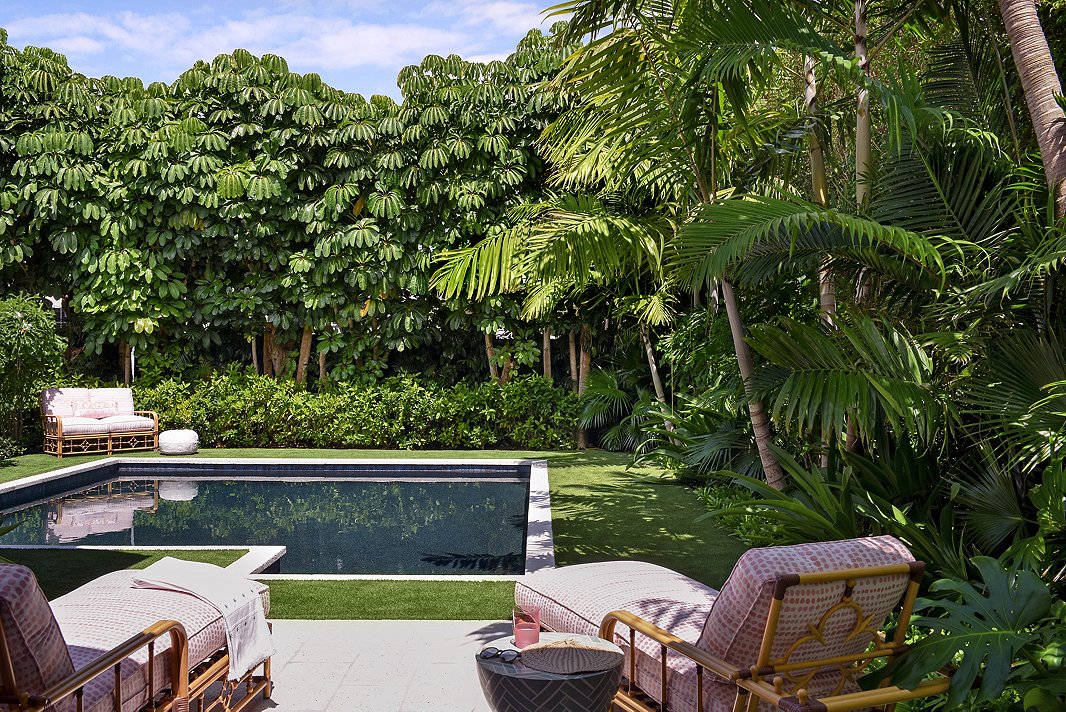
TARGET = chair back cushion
x,y
737,621
115,401
39,655
64,401
87,402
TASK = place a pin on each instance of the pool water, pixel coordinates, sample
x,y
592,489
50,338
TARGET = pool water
x,y
329,526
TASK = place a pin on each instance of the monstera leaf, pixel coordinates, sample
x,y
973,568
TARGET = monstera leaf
x,y
982,630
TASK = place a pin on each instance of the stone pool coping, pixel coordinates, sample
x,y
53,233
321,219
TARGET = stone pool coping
x,y
257,560
540,545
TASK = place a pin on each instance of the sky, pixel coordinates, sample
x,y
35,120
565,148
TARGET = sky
x,y
356,45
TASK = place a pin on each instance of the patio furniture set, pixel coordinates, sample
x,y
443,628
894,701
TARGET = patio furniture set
x,y
792,629
84,421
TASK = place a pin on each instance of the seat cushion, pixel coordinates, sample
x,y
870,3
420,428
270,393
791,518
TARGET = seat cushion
x,y
34,641
107,611
128,424
73,425
576,598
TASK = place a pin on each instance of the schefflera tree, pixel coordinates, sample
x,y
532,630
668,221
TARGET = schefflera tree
x,y
475,126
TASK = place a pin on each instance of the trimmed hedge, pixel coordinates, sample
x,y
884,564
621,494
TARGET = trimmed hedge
x,y
239,409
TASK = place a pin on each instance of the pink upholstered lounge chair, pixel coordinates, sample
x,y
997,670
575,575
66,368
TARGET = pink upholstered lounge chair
x,y
66,657
791,628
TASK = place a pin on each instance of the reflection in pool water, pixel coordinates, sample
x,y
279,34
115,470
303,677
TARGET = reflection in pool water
x,y
340,526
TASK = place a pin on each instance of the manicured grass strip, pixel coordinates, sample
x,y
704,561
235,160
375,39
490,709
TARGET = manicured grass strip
x,y
391,600
60,571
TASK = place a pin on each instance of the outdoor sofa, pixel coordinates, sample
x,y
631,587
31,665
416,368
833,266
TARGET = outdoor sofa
x,y
792,628
166,647
92,420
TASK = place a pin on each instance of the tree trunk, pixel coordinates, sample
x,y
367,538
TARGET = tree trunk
x,y
827,296
546,354
255,355
863,144
125,367
1040,84
323,374
573,362
760,424
490,355
584,365
268,350
653,366
305,355
508,366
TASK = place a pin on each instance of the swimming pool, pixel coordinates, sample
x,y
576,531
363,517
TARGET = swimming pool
x,y
346,518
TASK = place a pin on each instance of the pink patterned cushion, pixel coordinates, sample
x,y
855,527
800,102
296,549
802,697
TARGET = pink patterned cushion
x,y
105,612
95,409
734,629
129,424
575,599
74,425
62,401
120,400
34,641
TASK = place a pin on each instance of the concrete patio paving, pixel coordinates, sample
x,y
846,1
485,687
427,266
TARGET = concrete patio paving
x,y
378,666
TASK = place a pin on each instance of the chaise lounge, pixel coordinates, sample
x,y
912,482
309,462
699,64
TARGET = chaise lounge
x,y
166,649
81,421
793,627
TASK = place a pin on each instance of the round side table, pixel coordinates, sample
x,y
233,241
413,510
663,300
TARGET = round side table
x,y
513,687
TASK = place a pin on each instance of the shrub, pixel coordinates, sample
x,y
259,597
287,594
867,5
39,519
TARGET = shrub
x,y
241,409
29,350
9,448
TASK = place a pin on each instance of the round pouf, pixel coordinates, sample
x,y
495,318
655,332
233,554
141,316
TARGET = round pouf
x,y
178,442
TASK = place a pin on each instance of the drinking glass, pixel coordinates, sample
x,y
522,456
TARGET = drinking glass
x,y
526,621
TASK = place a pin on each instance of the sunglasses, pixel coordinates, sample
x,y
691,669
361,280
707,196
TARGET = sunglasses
x,y
508,656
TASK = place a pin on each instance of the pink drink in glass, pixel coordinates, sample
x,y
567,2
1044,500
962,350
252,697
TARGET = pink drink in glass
x,y
526,625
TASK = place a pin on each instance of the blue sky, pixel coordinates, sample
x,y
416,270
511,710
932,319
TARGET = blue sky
x,y
356,45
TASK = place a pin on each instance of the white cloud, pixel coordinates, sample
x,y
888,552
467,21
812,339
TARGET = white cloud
x,y
335,38
77,46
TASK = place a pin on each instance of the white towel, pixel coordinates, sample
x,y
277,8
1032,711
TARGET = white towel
x,y
235,597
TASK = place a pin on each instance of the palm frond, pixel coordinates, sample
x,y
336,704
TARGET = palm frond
x,y
725,234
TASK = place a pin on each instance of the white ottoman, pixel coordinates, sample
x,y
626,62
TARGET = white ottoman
x,y
178,442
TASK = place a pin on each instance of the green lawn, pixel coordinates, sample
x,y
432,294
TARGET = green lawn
x,y
62,570
600,512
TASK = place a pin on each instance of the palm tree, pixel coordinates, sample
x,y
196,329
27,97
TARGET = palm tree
x,y
1043,91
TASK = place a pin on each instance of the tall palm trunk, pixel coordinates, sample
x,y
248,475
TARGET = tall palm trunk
x,y
653,365
573,361
760,424
546,354
827,295
1040,83
584,366
863,143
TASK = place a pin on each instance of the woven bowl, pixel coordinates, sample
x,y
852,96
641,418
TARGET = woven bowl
x,y
569,656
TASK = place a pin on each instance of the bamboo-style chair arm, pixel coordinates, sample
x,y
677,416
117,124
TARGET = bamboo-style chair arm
x,y
669,641
179,665
53,424
148,414
800,701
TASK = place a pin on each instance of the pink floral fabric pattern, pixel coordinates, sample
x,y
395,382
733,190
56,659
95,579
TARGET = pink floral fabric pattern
x,y
34,641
